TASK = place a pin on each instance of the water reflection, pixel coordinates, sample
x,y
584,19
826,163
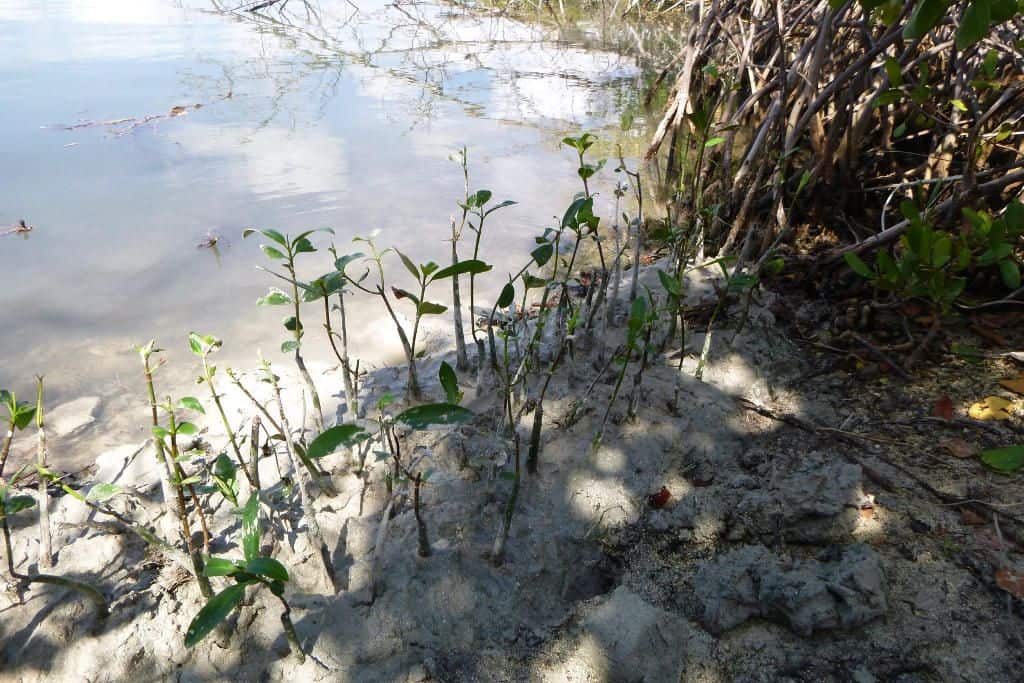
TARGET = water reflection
x,y
342,117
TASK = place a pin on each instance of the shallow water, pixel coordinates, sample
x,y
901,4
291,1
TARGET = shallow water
x,y
344,117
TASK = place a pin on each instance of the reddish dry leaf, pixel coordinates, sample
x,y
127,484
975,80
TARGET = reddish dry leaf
x,y
659,499
943,408
989,334
1015,385
972,518
867,513
912,310
1012,582
958,448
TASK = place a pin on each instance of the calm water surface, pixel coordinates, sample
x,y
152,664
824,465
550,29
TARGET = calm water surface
x,y
342,117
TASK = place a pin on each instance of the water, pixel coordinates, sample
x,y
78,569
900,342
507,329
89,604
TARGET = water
x,y
343,117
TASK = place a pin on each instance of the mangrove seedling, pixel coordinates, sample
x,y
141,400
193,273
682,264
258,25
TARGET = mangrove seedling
x,y
475,206
293,323
12,505
323,287
253,570
45,541
19,416
305,496
641,316
402,471
202,346
169,442
425,275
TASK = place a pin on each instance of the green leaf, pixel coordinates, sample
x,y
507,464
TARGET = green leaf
x,y
431,414
386,399
1014,218
1010,272
16,504
275,297
926,16
542,254
1004,10
269,234
431,308
302,245
271,252
187,429
251,527
714,142
225,468
959,104
502,205
974,24
942,250
214,612
449,382
160,433
289,346
291,323
534,282
891,96
268,567
103,491
637,316
1007,459
219,566
191,403
409,265
331,440
470,266
23,416
342,262
894,72
671,285
507,296
478,199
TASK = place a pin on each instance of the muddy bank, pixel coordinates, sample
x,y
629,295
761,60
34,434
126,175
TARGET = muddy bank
x,y
777,554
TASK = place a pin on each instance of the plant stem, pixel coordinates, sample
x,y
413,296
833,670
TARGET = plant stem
x,y
498,552
289,631
305,498
318,414
461,357
599,436
254,453
179,474
224,418
45,541
102,611
423,549
174,489
7,448
351,398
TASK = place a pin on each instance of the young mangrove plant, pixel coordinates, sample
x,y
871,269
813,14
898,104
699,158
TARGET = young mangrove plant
x,y
322,288
305,495
285,252
169,438
174,496
12,505
253,570
202,346
19,417
425,275
642,314
45,541
475,208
